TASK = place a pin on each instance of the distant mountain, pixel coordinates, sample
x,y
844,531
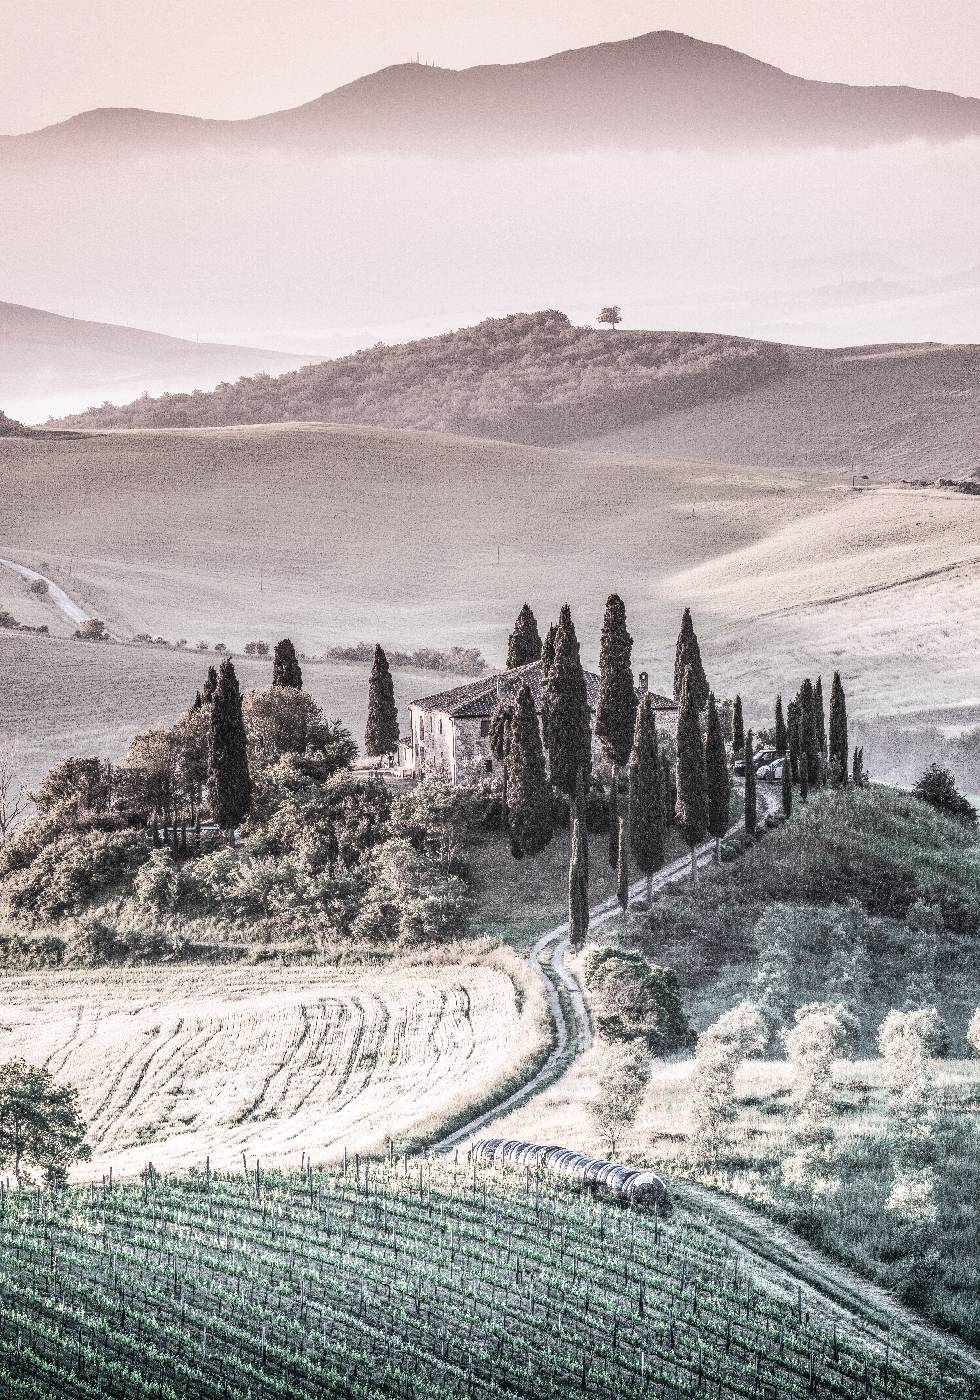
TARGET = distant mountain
x,y
52,364
535,378
660,90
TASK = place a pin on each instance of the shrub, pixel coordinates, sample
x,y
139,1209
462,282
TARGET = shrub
x,y
635,1001
158,885
937,787
256,648
70,872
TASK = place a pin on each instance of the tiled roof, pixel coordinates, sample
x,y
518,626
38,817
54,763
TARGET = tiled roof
x,y
478,699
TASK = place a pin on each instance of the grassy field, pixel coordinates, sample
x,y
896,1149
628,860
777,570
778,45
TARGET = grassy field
x,y
59,696
175,1066
428,1282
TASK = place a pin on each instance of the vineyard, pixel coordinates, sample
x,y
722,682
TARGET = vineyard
x,y
176,1066
405,1279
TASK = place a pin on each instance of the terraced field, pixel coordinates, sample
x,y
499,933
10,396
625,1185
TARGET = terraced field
x,y
413,1280
178,1067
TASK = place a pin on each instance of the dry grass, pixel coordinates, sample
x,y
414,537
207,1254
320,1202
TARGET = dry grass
x,y
174,1066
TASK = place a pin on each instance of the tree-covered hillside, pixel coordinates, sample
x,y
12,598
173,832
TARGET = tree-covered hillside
x,y
532,378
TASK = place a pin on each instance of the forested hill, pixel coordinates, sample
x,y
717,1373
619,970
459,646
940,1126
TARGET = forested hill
x,y
531,378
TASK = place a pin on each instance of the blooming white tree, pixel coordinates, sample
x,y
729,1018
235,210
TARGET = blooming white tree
x,y
720,1051
820,1036
908,1040
622,1074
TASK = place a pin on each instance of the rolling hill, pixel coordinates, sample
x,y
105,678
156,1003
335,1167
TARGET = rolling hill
x,y
658,90
52,364
535,378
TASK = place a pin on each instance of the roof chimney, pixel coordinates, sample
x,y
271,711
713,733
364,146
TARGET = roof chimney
x,y
644,685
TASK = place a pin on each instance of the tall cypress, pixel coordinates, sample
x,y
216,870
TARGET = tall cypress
x,y
210,686
689,656
524,645
718,778
381,731
229,785
838,733
738,728
501,722
787,789
578,886
647,827
820,716
809,733
567,702
613,809
615,718
528,798
286,669
547,661
782,738
669,791
623,869
793,734
751,805
692,779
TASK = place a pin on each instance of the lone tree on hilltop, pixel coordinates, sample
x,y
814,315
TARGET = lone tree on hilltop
x,y
524,645
381,733
210,686
689,656
781,736
718,778
528,798
569,722
839,749
40,1125
229,784
615,719
578,885
738,728
610,316
285,667
692,778
647,826
751,803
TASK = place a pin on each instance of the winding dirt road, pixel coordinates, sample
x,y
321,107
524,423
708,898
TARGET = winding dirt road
x,y
56,594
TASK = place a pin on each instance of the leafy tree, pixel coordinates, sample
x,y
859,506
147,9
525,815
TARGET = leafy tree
x,y
692,779
751,805
938,787
718,778
616,709
381,734
720,1051
229,783
647,826
610,316
524,645
781,739
286,669
738,728
281,720
787,793
622,1072
838,733
578,885
210,686
256,648
623,868
569,721
528,799
40,1125
689,656
634,1000
80,784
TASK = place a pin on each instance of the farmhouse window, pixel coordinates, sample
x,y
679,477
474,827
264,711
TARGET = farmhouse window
x,y
484,728
488,765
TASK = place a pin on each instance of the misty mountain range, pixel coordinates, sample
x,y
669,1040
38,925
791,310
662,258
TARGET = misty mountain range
x,y
661,90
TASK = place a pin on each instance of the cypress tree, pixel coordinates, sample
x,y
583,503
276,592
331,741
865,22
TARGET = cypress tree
x,y
692,781
567,702
820,716
669,791
615,718
548,650
751,808
804,777
285,666
229,785
787,789
793,734
623,869
500,729
782,738
198,702
838,733
718,779
581,815
578,886
647,827
210,686
689,655
528,798
809,733
381,733
524,645
738,728
613,807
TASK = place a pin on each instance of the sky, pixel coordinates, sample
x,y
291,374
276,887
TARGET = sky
x,y
236,58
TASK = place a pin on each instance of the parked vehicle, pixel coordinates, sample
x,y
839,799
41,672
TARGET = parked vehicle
x,y
762,759
772,772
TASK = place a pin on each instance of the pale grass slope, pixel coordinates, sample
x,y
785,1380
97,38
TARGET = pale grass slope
x,y
177,1066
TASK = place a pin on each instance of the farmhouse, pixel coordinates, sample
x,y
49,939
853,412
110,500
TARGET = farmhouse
x,y
450,735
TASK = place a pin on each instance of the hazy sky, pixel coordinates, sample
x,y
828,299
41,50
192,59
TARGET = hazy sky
x,y
232,58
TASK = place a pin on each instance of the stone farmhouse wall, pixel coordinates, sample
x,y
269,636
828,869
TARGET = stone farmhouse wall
x,y
458,750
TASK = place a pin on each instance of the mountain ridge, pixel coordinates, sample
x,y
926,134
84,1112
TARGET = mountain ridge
x,y
661,89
